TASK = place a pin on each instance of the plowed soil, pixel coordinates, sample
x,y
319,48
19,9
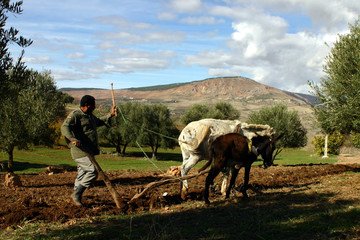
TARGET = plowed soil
x,y
47,197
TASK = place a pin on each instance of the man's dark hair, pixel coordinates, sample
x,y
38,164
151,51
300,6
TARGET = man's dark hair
x,y
87,100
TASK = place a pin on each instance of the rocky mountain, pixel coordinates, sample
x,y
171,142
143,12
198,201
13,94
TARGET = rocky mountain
x,y
244,94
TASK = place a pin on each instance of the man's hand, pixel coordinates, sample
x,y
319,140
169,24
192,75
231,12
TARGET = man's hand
x,y
113,111
76,143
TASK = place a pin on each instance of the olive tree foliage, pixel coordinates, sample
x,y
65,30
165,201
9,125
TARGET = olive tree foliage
x,y
221,110
123,130
338,92
10,86
283,121
157,128
146,125
28,118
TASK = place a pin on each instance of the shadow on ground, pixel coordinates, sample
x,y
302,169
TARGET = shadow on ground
x,y
269,216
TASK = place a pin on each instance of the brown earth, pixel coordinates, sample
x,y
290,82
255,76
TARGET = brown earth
x,y
47,197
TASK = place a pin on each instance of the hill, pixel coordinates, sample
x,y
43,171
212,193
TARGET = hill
x,y
244,94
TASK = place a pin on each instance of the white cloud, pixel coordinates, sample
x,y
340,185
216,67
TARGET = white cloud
x,y
126,65
201,20
264,50
123,24
327,15
167,16
133,53
37,59
186,6
75,55
155,37
60,75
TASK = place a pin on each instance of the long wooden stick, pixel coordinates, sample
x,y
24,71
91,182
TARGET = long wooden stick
x,y
113,97
162,182
107,181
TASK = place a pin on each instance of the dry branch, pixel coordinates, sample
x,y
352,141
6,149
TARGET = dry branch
x,y
162,182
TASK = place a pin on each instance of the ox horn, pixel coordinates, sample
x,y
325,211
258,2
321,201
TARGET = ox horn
x,y
278,137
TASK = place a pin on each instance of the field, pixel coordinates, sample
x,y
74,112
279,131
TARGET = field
x,y
297,201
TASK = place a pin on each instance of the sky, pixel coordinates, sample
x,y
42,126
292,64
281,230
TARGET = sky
x,y
137,43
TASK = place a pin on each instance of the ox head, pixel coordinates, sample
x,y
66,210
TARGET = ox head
x,y
265,146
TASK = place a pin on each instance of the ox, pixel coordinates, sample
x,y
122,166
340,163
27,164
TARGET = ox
x,y
196,137
234,151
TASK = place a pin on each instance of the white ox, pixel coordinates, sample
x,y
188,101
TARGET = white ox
x,y
196,137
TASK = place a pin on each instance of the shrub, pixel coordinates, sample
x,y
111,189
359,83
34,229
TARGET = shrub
x,y
355,139
335,141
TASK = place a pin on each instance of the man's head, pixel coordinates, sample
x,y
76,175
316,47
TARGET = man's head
x,y
87,104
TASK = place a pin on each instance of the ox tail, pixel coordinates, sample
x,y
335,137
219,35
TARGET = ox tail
x,y
211,154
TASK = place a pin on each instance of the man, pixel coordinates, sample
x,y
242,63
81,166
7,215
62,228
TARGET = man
x,y
79,130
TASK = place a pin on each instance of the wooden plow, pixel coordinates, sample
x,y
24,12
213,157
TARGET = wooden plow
x,y
165,181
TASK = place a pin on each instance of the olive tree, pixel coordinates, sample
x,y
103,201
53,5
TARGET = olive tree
x,y
338,92
27,119
221,110
157,128
124,128
283,121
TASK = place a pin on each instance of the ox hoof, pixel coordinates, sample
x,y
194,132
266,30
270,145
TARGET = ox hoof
x,y
183,195
245,196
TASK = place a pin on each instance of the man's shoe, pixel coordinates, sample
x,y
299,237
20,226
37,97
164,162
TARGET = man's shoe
x,y
77,194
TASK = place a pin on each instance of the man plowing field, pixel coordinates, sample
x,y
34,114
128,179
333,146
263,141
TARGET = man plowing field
x,y
79,130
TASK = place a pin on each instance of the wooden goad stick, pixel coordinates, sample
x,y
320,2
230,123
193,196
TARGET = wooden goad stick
x,y
113,97
107,181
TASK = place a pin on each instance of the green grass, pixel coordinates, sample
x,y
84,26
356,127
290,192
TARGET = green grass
x,y
298,156
38,158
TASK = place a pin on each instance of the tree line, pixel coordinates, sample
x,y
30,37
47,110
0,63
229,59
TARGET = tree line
x,y
152,125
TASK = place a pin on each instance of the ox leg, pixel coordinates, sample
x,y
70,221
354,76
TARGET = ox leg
x,y
225,181
209,180
246,181
234,173
185,168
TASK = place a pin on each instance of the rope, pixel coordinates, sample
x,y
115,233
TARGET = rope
x,y
149,130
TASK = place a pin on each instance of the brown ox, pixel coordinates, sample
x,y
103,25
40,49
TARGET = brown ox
x,y
197,136
234,151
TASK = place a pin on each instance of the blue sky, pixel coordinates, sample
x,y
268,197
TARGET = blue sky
x,y
135,43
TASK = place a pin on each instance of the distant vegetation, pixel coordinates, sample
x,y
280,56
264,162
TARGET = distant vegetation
x,y
77,89
305,97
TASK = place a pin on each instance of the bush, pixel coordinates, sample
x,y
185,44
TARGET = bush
x,y
355,140
221,110
335,141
